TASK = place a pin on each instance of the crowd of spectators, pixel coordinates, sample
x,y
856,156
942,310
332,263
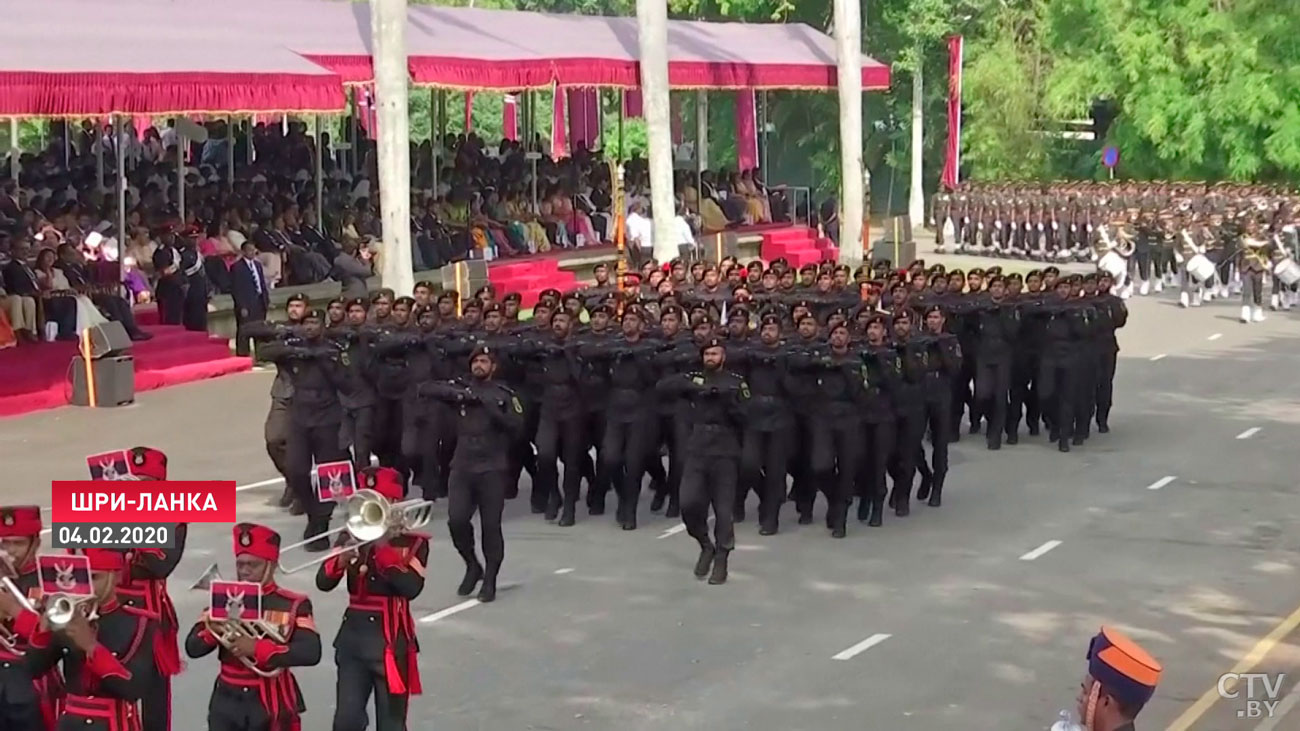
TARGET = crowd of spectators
x,y
58,218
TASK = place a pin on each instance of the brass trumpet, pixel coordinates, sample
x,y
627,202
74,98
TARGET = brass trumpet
x,y
226,631
60,609
369,518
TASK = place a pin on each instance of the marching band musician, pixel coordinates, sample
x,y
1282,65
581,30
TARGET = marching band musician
x,y
244,699
375,649
28,702
1253,261
105,650
144,586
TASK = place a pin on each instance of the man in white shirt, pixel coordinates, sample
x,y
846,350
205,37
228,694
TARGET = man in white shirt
x,y
640,233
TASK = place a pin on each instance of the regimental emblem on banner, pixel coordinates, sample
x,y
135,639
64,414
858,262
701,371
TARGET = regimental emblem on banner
x,y
64,574
335,481
109,466
235,600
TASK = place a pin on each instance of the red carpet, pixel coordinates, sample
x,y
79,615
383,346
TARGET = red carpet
x,y
799,245
35,377
530,276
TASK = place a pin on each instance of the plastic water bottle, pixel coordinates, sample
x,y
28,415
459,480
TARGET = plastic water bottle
x,y
1067,722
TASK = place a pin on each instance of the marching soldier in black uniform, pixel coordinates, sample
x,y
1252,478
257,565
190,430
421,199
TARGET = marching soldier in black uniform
x,y
28,701
358,399
717,402
560,432
1112,314
997,325
375,649
489,421
769,424
144,586
276,429
942,362
105,650
908,398
255,689
318,372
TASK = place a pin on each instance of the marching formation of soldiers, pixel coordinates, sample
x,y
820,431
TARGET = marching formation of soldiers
x,y
107,665
1210,241
747,379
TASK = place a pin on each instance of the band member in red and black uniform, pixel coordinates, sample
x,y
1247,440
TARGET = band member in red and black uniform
x,y
244,699
375,650
26,703
144,586
106,653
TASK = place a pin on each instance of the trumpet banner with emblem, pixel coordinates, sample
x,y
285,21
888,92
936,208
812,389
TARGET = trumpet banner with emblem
x,y
109,465
335,481
235,600
64,574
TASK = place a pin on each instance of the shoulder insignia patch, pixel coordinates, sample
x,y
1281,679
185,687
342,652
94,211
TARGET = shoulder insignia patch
x,y
744,389
344,359
698,380
518,407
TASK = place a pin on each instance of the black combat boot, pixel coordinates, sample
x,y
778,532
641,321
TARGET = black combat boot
x,y
936,494
705,561
719,575
473,573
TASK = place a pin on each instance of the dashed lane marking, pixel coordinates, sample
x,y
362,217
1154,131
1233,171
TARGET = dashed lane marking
x,y
1038,552
263,483
1155,358
449,611
1215,336
1248,433
861,647
562,572
672,531
1162,482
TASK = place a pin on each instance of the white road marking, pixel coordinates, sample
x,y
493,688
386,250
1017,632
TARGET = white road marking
x,y
1037,552
1248,433
861,647
1155,358
449,611
672,531
1215,336
1285,706
561,572
1161,482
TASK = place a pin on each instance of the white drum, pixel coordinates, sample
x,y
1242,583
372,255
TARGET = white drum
x,y
1200,268
1287,271
1114,265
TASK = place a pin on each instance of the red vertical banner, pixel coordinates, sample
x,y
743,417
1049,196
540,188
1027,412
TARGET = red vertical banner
x,y
583,106
559,147
469,112
746,130
510,117
952,156
633,104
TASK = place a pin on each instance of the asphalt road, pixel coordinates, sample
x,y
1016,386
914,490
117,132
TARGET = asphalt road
x,y
1181,526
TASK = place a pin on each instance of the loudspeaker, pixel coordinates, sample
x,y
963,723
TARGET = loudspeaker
x,y
114,381
883,249
464,277
108,339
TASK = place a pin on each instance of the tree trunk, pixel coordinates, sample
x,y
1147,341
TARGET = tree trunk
x,y
916,201
388,37
848,49
652,33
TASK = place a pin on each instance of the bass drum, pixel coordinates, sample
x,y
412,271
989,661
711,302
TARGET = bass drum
x,y
1200,268
1287,271
1114,265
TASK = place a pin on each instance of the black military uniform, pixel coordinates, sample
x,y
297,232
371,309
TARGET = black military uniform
x,y
769,423
1112,314
997,325
717,400
488,420
244,699
28,700
908,398
318,370
942,362
561,428
276,428
881,381
375,649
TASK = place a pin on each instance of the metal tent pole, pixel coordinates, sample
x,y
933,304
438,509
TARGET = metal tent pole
x,y
120,171
320,177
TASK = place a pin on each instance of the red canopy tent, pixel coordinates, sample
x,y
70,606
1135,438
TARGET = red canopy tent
x,y
128,58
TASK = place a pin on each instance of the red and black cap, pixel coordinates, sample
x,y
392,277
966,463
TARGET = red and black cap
x,y
385,480
20,521
256,540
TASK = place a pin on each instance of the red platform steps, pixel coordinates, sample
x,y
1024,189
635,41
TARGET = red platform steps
x,y
35,377
529,278
798,245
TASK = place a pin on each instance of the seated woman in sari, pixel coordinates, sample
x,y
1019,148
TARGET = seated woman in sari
x,y
516,237
520,214
553,220
579,222
753,206
458,216
494,230
753,190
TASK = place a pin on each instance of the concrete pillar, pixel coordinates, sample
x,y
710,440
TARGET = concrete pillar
x,y
388,38
652,33
848,50
916,196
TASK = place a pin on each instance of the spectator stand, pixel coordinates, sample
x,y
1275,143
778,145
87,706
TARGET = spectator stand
x,y
115,64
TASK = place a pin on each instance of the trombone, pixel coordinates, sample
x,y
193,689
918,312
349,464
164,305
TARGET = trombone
x,y
369,517
226,631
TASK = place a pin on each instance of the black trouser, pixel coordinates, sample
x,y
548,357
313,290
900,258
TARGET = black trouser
x,y
961,391
22,716
484,492
1105,384
1142,255
156,703
992,385
387,441
879,438
599,485
1057,383
623,454
171,304
276,432
1085,399
1252,287
909,429
709,481
937,419
357,680
356,433
671,434
804,490
763,460
307,444
559,439
1024,392
836,461
243,342
235,709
